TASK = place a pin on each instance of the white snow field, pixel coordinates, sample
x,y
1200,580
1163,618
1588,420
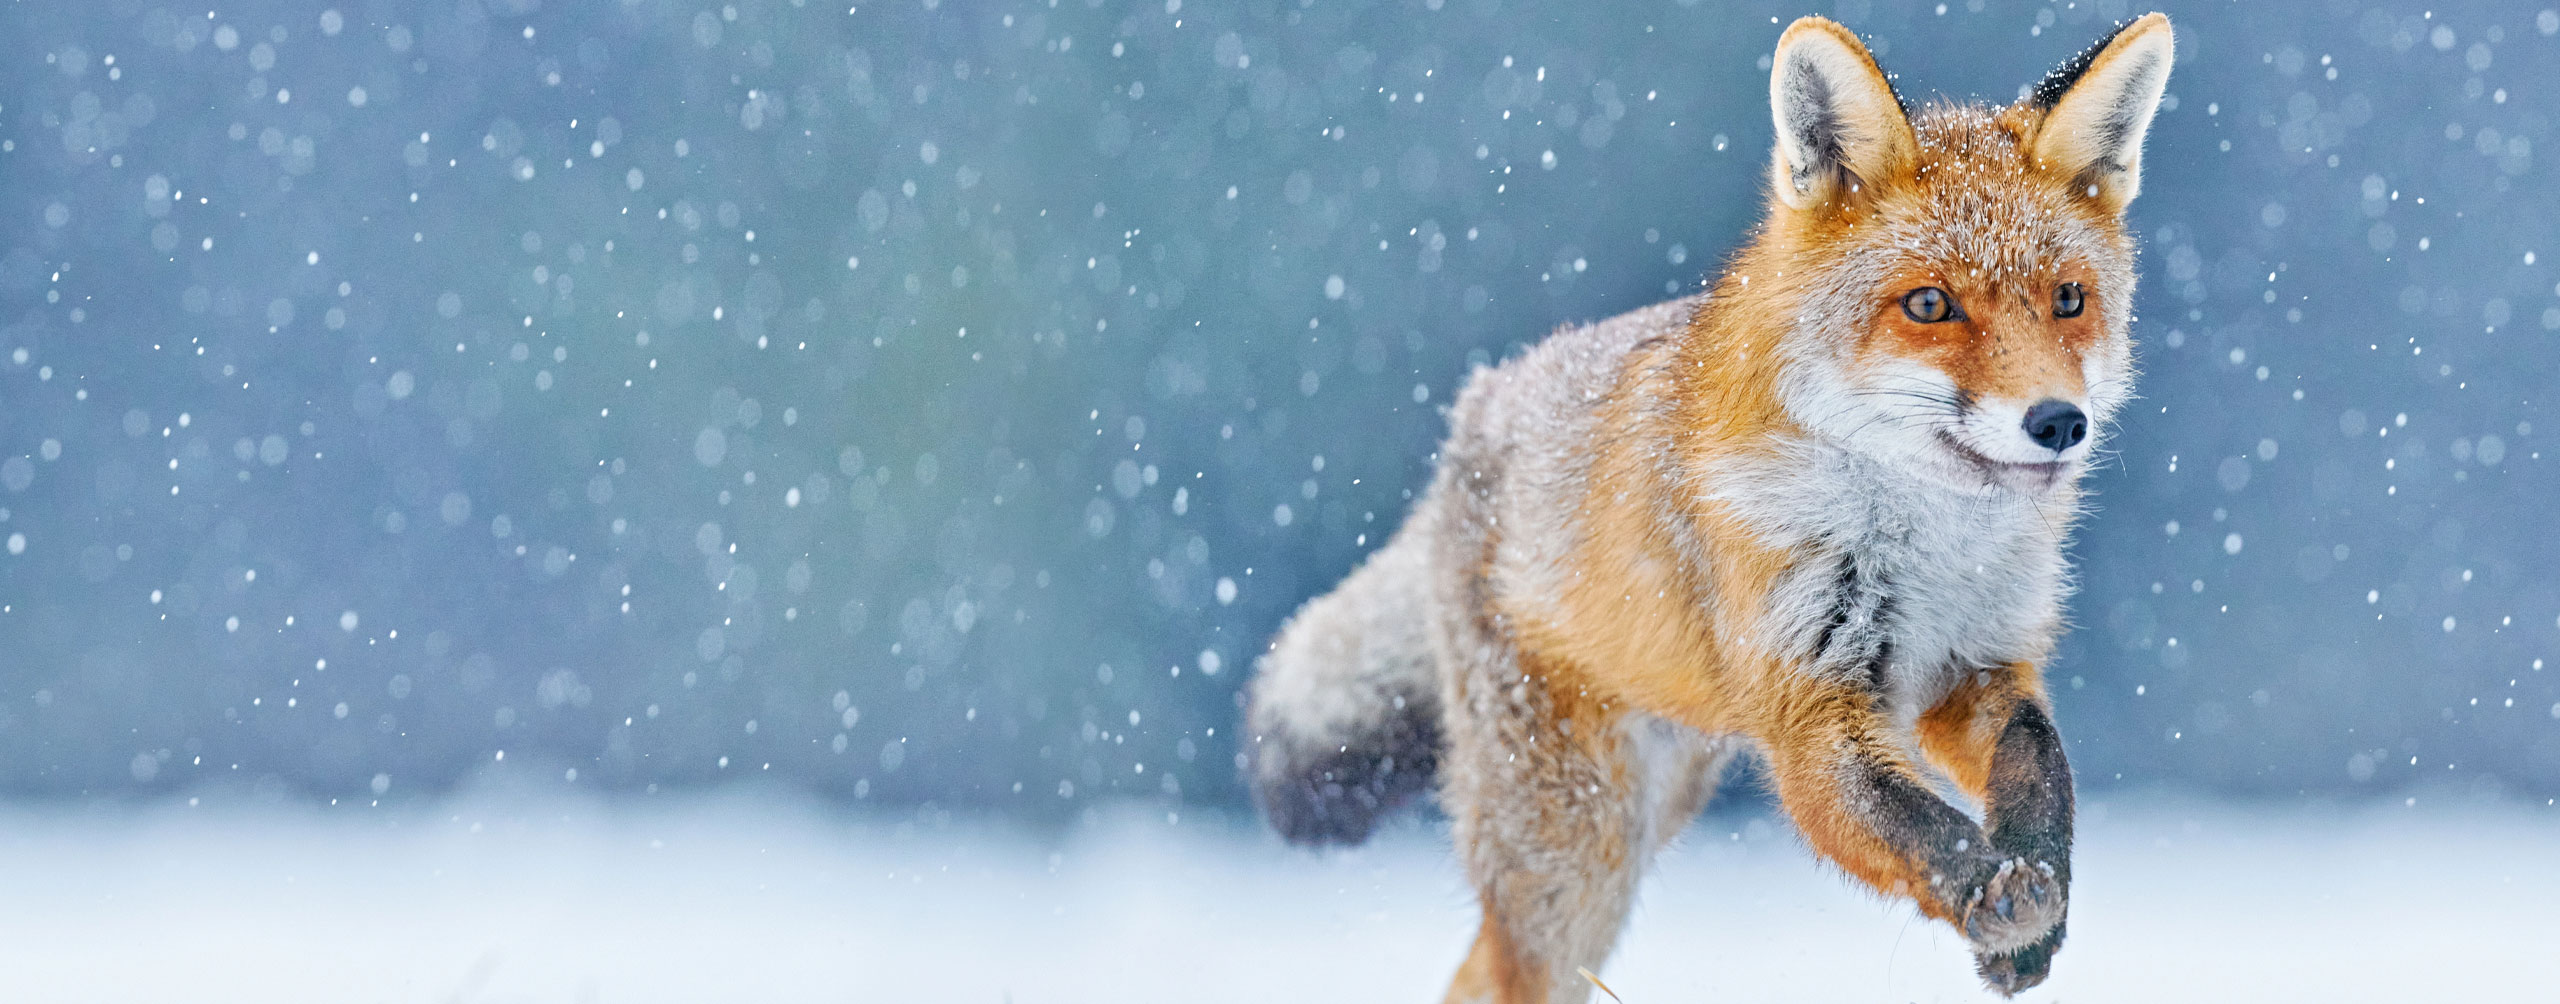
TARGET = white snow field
x,y
514,898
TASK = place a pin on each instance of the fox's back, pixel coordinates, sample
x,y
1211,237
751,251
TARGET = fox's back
x,y
1525,436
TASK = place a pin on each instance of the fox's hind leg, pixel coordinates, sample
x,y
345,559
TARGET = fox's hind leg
x,y
1558,804
1550,838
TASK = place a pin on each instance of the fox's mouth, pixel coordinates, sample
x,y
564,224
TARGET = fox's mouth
x,y
2042,474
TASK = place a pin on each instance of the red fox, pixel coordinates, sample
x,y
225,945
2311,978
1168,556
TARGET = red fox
x,y
1817,513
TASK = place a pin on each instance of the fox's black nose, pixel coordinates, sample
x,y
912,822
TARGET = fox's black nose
x,y
2056,425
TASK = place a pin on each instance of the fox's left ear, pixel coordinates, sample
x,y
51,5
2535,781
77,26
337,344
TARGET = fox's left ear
x,y
2098,106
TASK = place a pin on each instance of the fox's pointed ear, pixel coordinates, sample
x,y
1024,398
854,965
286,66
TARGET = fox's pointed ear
x,y
2098,106
1840,125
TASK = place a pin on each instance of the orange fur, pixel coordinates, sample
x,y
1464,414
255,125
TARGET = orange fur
x,y
1808,728
1494,970
1959,734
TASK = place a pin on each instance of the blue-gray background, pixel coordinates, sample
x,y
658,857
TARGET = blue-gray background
x,y
941,402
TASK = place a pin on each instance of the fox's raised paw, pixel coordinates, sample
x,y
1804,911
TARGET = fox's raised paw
x,y
2007,973
2014,909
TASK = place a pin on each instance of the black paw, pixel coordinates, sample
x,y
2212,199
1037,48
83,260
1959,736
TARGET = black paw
x,y
2008,973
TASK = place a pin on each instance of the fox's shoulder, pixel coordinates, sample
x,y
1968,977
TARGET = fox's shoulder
x,y
1566,377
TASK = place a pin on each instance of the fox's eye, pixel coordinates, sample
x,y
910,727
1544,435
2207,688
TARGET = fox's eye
x,y
2067,300
1928,305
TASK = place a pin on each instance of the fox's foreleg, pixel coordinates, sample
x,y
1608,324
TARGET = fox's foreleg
x,y
1994,737
1860,802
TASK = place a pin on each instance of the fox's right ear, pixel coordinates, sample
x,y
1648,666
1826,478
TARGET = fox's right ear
x,y
1840,125
2098,106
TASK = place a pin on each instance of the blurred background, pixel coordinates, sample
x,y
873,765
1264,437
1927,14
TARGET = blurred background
x,y
930,406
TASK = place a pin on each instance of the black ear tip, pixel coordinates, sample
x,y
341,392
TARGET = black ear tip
x,y
2049,91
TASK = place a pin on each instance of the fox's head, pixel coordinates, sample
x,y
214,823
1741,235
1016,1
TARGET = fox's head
x,y
1960,276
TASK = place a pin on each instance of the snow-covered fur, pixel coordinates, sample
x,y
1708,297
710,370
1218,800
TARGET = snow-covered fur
x,y
1815,513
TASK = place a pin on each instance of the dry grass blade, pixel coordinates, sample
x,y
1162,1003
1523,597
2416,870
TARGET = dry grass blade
x,y
1595,981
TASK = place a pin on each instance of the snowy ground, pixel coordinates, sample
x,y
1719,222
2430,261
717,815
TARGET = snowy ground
x,y
505,898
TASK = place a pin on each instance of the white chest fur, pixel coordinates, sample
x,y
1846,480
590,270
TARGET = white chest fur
x,y
1903,582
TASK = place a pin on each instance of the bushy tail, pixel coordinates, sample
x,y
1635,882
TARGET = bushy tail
x,y
1344,723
